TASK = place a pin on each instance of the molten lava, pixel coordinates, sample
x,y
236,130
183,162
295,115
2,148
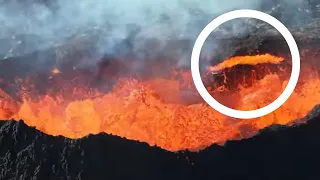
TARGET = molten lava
x,y
248,60
166,112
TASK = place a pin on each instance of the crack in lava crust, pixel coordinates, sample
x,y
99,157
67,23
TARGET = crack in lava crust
x,y
163,111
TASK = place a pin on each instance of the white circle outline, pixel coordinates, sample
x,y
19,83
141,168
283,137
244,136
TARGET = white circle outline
x,y
245,13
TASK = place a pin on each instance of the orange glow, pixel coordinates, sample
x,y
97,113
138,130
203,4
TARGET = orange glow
x,y
246,60
163,111
55,71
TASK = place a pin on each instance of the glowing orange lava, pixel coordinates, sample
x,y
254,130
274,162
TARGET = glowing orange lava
x,y
161,111
55,71
248,60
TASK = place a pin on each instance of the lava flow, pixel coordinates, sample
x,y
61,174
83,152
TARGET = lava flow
x,y
162,111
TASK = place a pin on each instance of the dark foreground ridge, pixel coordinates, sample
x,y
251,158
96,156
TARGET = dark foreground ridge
x,y
276,153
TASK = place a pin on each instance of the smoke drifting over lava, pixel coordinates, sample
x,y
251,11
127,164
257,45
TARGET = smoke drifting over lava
x,y
163,110
144,28
157,103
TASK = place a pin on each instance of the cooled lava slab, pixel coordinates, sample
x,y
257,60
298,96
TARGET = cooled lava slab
x,y
275,153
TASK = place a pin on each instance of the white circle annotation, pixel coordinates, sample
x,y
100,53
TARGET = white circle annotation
x,y
245,14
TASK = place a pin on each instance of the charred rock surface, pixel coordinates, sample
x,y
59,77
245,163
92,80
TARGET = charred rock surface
x,y
277,152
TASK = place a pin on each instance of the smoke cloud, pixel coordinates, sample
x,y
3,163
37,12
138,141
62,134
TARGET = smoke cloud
x,y
144,27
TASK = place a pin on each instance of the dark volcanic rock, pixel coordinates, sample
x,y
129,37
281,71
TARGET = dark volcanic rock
x,y
275,153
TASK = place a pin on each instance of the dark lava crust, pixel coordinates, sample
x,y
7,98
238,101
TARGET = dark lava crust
x,y
275,153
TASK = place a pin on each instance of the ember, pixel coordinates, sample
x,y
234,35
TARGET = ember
x,y
55,71
162,111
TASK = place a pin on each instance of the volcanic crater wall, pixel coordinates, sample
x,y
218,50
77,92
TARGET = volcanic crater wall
x,y
22,68
277,152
